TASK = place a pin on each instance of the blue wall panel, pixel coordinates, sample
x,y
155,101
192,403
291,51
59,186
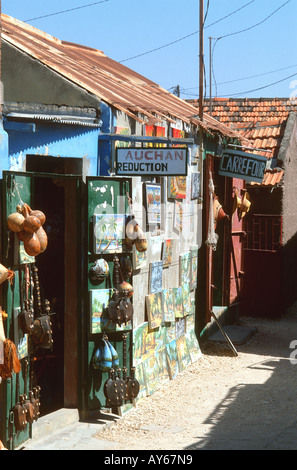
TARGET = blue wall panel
x,y
55,140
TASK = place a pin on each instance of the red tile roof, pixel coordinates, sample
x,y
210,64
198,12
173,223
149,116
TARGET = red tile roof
x,y
261,120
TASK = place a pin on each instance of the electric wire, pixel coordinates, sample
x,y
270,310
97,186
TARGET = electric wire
x,y
243,31
188,35
65,11
260,88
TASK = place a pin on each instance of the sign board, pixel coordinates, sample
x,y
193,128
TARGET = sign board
x,y
242,165
151,161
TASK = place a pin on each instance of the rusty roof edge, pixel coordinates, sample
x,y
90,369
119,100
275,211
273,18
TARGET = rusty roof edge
x,y
177,107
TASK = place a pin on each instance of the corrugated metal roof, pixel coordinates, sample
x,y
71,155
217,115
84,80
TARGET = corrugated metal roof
x,y
112,82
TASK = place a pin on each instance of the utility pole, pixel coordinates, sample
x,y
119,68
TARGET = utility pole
x,y
201,59
1,85
210,91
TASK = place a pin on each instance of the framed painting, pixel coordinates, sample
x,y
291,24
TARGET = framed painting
x,y
183,355
154,310
194,267
195,185
177,186
178,302
99,302
139,259
167,252
185,268
155,277
153,203
109,233
168,305
178,216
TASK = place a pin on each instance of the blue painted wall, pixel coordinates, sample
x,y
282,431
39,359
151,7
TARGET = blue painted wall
x,y
56,140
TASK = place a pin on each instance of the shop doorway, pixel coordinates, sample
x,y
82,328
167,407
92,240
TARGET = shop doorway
x,y
55,193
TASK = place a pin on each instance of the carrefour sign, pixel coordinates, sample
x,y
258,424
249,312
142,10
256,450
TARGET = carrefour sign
x,y
242,165
153,161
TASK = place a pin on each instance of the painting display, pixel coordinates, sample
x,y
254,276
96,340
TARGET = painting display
x,y
153,203
162,353
109,233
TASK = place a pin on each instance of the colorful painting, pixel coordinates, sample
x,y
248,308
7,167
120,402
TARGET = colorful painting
x,y
195,185
155,277
99,302
168,305
178,302
139,258
153,203
154,310
193,345
178,216
109,233
185,268
167,252
180,327
194,268
186,299
99,299
172,359
139,375
156,372
183,355
177,187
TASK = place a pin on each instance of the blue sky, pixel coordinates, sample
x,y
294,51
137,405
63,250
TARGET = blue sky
x,y
250,60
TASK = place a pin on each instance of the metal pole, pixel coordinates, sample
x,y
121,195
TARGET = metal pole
x,y
201,66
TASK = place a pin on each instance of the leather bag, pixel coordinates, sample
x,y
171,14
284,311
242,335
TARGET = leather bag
x,y
120,308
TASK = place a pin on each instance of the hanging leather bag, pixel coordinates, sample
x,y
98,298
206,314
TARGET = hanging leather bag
x,y
26,316
42,326
19,411
120,308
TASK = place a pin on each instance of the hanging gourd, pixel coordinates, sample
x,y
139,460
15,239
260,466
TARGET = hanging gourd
x,y
5,274
15,222
218,211
27,223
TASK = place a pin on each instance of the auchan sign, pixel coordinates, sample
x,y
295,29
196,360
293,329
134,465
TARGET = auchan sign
x,y
154,161
242,165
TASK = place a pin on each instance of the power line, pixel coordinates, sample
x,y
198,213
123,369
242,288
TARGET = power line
x,y
260,88
65,11
243,31
187,36
244,78
257,24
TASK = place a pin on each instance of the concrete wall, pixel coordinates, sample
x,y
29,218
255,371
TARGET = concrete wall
x,y
288,154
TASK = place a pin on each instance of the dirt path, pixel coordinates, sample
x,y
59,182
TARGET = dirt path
x,y
222,401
